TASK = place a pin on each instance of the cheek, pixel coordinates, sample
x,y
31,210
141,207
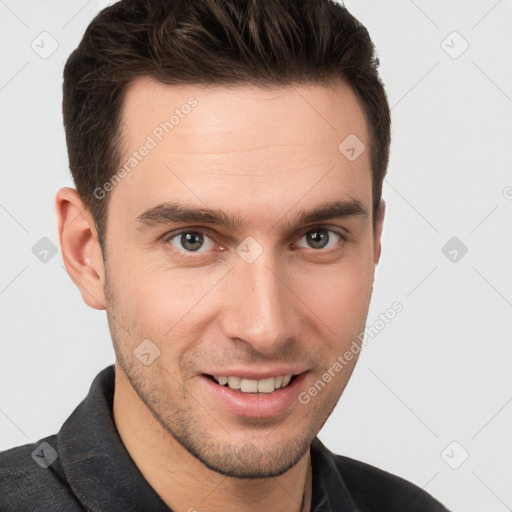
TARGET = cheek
x,y
340,297
165,304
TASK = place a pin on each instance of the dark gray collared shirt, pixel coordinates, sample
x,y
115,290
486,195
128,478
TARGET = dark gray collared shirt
x,y
86,467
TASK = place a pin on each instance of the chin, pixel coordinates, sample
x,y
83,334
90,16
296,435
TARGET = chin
x,y
246,460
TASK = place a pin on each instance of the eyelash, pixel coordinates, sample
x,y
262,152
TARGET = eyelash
x,y
193,254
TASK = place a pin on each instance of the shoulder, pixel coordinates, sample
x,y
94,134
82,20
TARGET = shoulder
x,y
373,489
32,478
377,489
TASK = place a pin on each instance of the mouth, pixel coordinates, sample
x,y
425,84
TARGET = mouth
x,y
253,386
240,396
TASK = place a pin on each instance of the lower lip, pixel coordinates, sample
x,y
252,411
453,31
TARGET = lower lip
x,y
255,405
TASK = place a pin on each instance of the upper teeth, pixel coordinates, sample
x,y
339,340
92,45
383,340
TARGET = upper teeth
x,y
254,386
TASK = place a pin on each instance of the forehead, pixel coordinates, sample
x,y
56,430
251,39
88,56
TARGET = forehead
x,y
241,111
240,145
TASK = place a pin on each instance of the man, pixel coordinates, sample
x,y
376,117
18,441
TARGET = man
x,y
228,158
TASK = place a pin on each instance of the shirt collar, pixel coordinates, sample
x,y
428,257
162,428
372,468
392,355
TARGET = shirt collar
x,y
98,467
329,492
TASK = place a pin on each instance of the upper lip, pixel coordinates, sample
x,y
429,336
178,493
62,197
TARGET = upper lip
x,y
254,374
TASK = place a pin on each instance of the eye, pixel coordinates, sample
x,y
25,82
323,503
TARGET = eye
x,y
321,238
191,241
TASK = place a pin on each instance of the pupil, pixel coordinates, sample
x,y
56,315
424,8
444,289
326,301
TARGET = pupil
x,y
192,241
319,239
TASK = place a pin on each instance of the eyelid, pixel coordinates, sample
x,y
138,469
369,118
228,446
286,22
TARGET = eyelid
x,y
339,230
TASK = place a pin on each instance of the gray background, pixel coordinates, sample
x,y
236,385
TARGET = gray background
x,y
434,386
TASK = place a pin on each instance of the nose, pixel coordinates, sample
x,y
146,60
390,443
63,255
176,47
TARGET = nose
x,y
261,307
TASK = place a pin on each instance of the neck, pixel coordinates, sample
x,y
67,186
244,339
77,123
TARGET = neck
x,y
186,484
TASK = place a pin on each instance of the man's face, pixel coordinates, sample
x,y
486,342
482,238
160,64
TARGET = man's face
x,y
267,296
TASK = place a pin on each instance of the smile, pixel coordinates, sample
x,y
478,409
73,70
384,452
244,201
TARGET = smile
x,y
268,385
241,396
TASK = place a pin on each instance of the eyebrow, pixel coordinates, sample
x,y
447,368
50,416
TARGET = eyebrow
x,y
173,212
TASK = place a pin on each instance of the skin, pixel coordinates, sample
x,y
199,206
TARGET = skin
x,y
262,156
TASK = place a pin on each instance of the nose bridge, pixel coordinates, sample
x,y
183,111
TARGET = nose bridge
x,y
261,307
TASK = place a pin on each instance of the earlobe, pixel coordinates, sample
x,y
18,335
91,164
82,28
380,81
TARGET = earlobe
x,y
81,251
378,231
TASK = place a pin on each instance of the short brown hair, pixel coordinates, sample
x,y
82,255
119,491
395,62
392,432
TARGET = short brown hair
x,y
215,42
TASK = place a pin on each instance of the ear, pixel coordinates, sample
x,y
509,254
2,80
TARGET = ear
x,y
81,251
379,223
